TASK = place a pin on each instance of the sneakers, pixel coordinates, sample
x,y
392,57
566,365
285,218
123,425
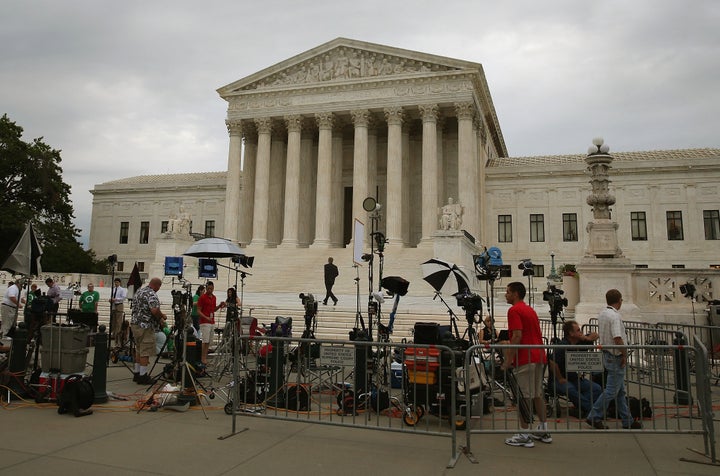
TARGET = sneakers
x,y
520,439
597,424
541,434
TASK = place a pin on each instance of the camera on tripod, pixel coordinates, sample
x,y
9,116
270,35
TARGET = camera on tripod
x,y
554,298
231,310
470,302
309,303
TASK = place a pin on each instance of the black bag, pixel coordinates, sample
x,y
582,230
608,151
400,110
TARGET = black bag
x,y
639,408
426,333
77,396
297,398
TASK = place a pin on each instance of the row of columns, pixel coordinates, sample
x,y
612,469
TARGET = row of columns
x,y
249,209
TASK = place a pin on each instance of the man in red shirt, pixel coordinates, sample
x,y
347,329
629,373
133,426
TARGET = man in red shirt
x,y
529,365
207,305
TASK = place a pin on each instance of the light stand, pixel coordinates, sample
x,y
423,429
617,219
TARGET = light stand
x,y
246,261
112,259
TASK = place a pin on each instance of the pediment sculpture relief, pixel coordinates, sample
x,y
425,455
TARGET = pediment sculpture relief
x,y
343,64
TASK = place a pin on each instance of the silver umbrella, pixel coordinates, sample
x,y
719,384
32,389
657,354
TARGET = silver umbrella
x,y
214,248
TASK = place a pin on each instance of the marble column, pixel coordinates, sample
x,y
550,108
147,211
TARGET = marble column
x,y
480,193
429,113
292,182
394,205
337,210
372,159
308,182
442,165
360,165
466,166
248,184
232,190
262,183
324,197
276,210
406,183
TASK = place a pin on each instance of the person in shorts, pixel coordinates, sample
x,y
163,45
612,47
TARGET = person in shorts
x,y
207,306
146,319
529,365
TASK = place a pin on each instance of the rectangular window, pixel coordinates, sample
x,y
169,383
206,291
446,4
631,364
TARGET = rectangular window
x,y
537,227
539,270
674,225
120,266
570,228
678,266
505,271
504,228
638,226
164,226
712,224
641,266
144,232
209,228
124,229
141,266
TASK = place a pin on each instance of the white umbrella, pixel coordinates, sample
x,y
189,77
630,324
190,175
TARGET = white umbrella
x,y
214,248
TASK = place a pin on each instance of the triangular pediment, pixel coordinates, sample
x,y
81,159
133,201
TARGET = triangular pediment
x,y
343,60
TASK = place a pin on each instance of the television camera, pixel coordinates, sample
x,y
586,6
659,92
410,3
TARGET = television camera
x,y
555,300
471,304
311,306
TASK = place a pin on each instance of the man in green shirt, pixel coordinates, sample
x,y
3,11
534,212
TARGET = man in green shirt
x,y
89,299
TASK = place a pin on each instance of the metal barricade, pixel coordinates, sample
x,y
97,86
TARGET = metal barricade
x,y
385,386
665,407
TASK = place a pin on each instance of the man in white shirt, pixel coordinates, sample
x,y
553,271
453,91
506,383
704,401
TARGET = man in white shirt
x,y
9,309
117,311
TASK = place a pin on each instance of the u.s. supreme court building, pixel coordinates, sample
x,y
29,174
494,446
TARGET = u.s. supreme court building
x,y
313,136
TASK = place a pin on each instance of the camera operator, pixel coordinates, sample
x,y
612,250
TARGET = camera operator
x,y
311,307
207,306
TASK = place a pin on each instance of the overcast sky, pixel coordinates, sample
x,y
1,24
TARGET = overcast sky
x,y
127,88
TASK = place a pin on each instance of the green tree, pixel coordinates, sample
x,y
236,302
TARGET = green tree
x,y
33,190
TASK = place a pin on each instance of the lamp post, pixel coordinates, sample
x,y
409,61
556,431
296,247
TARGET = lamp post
x,y
553,273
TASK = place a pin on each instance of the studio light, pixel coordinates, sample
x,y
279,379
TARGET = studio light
x,y
688,290
527,267
244,261
369,204
367,257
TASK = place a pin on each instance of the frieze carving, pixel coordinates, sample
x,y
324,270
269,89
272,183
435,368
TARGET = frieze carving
x,y
285,99
345,64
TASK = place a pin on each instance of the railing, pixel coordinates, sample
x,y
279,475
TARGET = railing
x,y
341,383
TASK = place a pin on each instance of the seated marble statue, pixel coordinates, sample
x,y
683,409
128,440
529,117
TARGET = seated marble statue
x,y
451,216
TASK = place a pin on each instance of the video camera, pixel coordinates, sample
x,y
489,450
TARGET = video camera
x,y
554,298
309,303
470,302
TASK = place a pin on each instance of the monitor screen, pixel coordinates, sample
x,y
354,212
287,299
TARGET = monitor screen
x,y
207,268
173,266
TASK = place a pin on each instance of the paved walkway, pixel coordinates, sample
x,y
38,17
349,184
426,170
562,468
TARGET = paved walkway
x,y
116,440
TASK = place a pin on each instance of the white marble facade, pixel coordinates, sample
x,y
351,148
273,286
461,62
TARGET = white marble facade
x,y
311,137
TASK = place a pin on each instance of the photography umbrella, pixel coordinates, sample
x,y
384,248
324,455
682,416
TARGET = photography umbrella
x,y
443,275
25,256
214,248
